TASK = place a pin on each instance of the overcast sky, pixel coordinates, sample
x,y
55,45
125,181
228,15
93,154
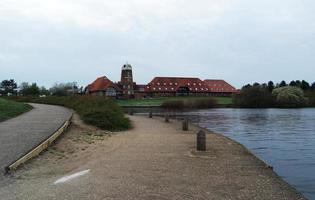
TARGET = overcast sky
x,y
241,41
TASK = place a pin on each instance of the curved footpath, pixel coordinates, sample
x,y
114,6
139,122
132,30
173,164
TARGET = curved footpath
x,y
21,134
154,160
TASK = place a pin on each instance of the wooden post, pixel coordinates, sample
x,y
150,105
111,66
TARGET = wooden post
x,y
201,141
167,117
150,114
185,124
130,112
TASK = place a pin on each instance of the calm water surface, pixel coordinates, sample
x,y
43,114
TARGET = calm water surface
x,y
284,138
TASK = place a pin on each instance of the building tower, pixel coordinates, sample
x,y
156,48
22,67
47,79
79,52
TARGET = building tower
x,y
126,81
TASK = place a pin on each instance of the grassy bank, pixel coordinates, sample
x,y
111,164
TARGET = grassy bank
x,y
9,109
222,101
97,111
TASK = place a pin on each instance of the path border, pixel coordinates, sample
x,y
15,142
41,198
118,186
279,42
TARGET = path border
x,y
39,148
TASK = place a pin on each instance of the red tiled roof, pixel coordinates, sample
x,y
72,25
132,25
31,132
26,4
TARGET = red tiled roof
x,y
101,84
172,84
220,86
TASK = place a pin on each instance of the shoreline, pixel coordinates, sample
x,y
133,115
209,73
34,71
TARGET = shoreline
x,y
154,160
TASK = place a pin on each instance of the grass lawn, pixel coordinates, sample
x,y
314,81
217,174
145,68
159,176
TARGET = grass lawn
x,y
159,101
9,109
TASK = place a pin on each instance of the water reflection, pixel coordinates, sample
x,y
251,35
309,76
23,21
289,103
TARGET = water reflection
x,y
285,138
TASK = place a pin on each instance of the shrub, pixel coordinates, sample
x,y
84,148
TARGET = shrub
x,y
254,97
97,111
289,97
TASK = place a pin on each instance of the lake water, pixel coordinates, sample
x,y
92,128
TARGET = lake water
x,y
284,138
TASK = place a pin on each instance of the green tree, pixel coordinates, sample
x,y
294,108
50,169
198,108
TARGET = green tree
x,y
282,84
289,97
293,83
254,97
8,86
271,86
305,85
29,90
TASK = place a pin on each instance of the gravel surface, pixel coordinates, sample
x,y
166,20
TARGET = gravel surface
x,y
155,160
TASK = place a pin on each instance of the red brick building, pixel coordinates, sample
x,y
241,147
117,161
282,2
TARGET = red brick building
x,y
159,86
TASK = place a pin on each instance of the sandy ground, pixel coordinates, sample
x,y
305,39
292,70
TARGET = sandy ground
x,y
154,160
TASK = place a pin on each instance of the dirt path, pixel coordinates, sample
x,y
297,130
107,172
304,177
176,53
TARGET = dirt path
x,y
154,160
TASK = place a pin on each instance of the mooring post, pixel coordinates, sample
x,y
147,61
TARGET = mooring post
x,y
130,112
201,141
185,124
167,117
150,114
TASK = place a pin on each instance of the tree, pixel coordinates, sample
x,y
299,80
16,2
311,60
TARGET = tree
x,y
293,83
282,84
289,97
271,86
44,91
254,97
305,85
313,86
64,89
29,90
8,86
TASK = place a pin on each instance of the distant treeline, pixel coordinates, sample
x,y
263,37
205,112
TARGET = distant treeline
x,y
283,95
10,87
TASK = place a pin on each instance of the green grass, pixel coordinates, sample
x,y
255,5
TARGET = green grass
x,y
9,109
159,101
97,111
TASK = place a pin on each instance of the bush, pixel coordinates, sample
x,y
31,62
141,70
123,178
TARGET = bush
x,y
289,97
97,111
254,97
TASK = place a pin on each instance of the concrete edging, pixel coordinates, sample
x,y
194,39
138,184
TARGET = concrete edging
x,y
39,148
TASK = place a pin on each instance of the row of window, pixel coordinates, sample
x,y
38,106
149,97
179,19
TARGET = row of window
x,y
176,84
196,89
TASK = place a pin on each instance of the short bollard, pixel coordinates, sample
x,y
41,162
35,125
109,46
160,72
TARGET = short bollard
x,y
201,141
150,114
185,125
167,117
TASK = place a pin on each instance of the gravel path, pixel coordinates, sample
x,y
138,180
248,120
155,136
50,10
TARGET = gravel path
x,y
21,134
154,160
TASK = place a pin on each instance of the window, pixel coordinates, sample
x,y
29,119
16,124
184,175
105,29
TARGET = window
x,y
154,88
201,88
194,83
172,88
196,89
175,83
159,88
188,84
164,83
171,83
199,84
110,92
165,88
158,83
